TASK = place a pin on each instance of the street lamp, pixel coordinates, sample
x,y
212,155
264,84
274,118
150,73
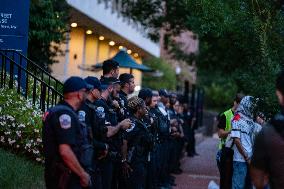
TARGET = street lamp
x,y
178,71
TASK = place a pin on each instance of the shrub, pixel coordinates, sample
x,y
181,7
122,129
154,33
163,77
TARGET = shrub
x,y
20,125
220,96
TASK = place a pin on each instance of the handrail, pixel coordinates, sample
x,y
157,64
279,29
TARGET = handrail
x,y
29,60
46,90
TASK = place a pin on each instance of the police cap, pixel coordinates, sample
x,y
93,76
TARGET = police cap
x,y
75,83
95,82
107,81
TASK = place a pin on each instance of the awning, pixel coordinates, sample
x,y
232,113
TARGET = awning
x,y
126,61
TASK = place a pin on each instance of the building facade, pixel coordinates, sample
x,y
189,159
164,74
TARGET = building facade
x,y
97,33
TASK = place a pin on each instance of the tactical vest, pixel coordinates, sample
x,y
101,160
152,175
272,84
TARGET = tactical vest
x,y
83,149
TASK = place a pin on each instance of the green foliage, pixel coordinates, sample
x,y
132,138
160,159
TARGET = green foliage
x,y
240,40
220,94
17,172
20,125
167,81
47,27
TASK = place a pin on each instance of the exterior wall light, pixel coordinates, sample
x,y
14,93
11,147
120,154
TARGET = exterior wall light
x,y
135,55
129,51
101,38
111,43
74,25
89,32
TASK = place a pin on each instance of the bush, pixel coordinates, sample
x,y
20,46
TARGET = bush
x,y
220,96
20,125
167,80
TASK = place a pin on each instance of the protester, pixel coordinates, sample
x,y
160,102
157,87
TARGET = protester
x,y
243,127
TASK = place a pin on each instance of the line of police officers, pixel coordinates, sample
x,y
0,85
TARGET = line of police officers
x,y
98,138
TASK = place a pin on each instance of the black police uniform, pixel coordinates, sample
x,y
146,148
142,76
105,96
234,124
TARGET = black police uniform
x,y
163,148
116,141
153,168
96,124
176,144
124,102
61,126
106,164
140,143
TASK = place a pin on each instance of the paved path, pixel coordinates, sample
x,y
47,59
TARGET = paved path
x,y
199,170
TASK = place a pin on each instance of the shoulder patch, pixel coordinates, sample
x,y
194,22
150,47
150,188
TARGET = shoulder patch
x,y
100,112
100,109
65,121
237,117
82,115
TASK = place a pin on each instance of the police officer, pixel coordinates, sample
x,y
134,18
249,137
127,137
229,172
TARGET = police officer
x,y
127,86
110,69
106,164
164,137
95,121
153,178
151,120
62,139
176,138
117,102
137,143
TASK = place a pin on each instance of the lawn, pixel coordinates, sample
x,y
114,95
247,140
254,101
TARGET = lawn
x,y
18,172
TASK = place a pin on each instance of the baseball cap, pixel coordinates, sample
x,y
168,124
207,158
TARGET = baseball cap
x,y
164,92
95,82
75,83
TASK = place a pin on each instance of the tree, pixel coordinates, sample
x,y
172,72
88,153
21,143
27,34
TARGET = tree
x,y
47,27
241,41
167,78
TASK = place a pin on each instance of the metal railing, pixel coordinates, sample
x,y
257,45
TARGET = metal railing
x,y
20,73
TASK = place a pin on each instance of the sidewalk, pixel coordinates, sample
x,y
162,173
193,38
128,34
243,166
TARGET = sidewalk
x,y
199,170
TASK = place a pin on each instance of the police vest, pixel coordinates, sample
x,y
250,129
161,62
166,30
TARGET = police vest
x,y
83,149
229,116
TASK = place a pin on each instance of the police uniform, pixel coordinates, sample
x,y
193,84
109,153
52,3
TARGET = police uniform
x,y
96,125
61,126
176,144
163,150
153,164
106,164
123,96
95,120
140,143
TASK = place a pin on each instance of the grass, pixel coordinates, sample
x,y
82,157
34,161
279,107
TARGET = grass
x,y
19,173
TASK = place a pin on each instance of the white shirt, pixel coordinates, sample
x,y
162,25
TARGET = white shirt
x,y
244,129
